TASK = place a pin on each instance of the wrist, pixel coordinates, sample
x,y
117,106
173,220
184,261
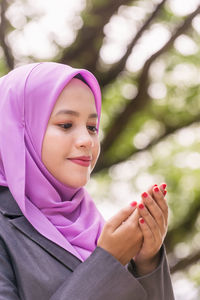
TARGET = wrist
x,y
145,266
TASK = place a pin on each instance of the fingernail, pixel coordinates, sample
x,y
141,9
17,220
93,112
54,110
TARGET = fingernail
x,y
155,185
141,206
156,189
145,195
134,203
163,186
164,192
142,221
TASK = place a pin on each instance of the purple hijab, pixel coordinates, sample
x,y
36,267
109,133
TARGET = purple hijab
x,y
67,216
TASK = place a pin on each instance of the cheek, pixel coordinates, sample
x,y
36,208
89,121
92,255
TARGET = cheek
x,y
47,147
54,145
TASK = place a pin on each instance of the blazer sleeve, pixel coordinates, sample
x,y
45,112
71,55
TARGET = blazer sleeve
x,y
157,284
8,290
102,277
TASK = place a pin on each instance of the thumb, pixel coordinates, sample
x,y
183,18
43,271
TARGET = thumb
x,y
121,216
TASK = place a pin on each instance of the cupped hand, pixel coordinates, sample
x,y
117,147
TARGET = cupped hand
x,y
121,235
153,221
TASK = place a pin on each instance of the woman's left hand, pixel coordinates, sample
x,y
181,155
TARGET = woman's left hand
x,y
153,222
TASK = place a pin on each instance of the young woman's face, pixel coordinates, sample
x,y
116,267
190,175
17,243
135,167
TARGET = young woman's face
x,y
71,145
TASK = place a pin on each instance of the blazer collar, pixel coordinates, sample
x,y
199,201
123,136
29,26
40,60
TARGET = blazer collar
x,y
10,209
8,206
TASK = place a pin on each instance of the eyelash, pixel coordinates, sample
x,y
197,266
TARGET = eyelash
x,y
93,129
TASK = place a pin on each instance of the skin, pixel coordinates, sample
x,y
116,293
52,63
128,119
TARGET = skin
x,y
121,235
125,237
154,229
78,137
70,135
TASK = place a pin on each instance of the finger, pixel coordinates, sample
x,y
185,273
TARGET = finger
x,y
150,190
151,242
130,225
147,233
154,210
133,218
149,219
162,186
121,216
162,203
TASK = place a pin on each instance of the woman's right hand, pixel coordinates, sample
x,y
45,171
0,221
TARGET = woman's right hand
x,y
121,235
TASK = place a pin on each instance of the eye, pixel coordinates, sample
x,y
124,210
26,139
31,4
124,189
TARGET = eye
x,y
92,128
66,125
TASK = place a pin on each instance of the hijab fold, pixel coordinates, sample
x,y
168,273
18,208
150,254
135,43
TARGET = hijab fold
x,y
67,216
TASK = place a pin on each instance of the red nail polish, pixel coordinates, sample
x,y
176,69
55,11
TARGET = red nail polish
x,y
164,192
155,185
145,195
134,203
142,221
163,186
141,206
156,189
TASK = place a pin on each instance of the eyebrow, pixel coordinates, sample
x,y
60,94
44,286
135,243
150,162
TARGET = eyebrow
x,y
74,113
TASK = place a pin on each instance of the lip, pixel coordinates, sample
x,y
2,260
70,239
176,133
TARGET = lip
x,y
84,161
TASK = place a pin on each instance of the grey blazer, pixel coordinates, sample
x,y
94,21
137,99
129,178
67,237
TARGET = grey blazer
x,y
32,267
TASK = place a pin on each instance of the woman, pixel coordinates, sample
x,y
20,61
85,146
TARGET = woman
x,y
53,241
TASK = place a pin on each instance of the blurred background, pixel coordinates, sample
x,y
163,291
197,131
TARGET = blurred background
x,y
146,56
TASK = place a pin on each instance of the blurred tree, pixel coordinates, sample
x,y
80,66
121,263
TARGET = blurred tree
x,y
151,107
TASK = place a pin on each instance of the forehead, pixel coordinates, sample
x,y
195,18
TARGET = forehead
x,y
75,95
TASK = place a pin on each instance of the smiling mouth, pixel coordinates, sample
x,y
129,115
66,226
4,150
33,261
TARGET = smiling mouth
x,y
82,161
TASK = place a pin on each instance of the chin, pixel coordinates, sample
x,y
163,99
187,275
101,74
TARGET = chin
x,y
76,183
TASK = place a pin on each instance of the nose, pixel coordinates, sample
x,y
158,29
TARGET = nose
x,y
84,139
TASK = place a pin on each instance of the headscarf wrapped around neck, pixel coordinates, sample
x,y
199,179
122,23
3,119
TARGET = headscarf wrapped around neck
x,y
66,216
